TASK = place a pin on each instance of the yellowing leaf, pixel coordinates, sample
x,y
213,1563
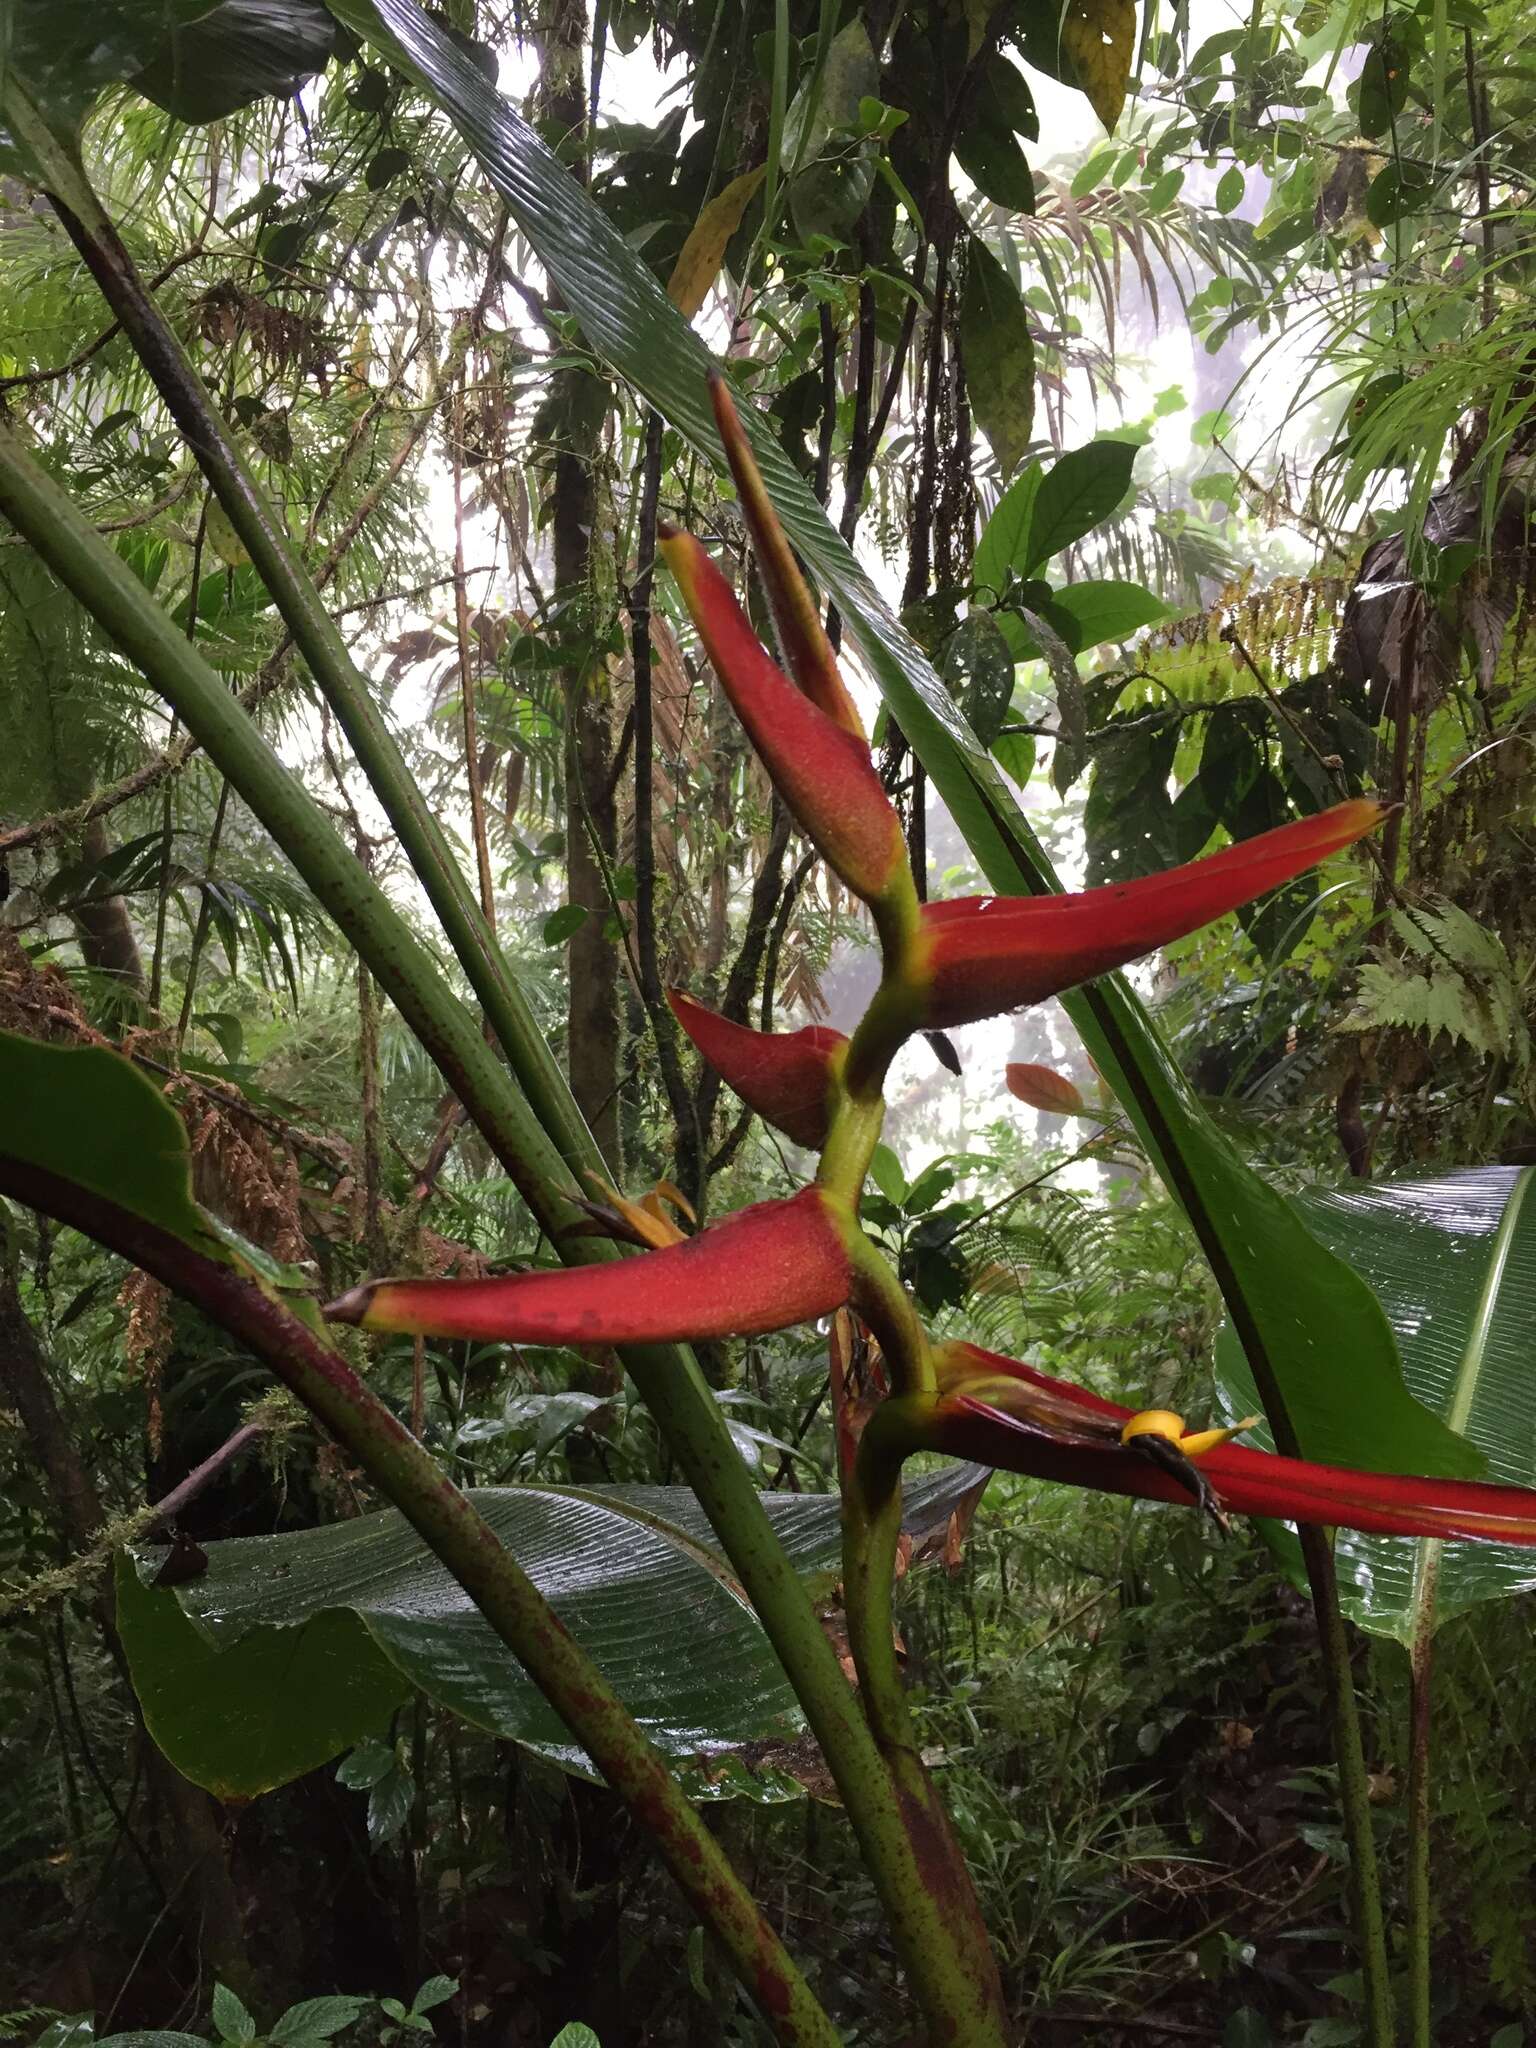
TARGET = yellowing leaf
x,y
1100,38
699,260
222,537
1043,1088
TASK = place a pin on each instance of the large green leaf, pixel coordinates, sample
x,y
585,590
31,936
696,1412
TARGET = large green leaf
x,y
1300,1308
1453,1262
1102,610
234,53
68,53
198,58
1046,510
999,355
240,1717
291,1648
85,1114
987,146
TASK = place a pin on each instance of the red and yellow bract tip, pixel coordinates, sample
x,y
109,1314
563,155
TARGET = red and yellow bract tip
x,y
764,1268
823,772
803,638
786,1076
980,955
1004,1413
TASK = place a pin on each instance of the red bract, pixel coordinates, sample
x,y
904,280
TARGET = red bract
x,y
785,1076
1006,1414
807,649
979,955
823,772
764,1268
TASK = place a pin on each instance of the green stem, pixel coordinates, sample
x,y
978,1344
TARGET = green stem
x,y
267,541
409,1477
890,1312
1354,1784
667,1377
851,1142
871,1529
1421,1705
108,589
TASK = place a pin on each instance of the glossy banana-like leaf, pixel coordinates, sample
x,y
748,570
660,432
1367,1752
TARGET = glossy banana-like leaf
x,y
1453,1262
291,1648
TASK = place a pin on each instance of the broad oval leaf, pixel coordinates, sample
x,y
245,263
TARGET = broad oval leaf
x,y
1046,510
291,1648
1003,537
978,666
1103,610
1300,1305
152,2040
1100,38
999,355
68,54
1043,1088
1453,1262
987,148
87,1115
1079,491
234,53
198,60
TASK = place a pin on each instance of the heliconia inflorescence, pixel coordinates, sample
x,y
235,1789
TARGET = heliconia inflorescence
x,y
791,1261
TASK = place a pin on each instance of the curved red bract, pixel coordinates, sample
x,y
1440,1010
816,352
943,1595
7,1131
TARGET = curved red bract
x,y
764,1268
786,1076
986,954
822,771
807,650
1038,1439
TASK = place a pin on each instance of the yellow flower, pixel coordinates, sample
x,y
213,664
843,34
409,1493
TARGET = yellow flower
x,y
1164,1423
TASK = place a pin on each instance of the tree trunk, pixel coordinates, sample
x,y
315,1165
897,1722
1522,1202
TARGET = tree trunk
x,y
593,1024
106,936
